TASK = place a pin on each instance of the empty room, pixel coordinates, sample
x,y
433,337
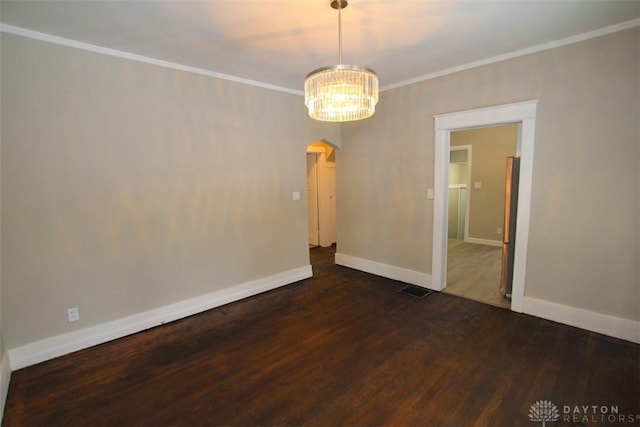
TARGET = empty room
x,y
207,217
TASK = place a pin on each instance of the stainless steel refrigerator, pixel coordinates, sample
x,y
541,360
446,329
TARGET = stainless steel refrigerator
x,y
509,230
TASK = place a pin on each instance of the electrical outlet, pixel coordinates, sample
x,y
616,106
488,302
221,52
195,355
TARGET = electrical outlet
x,y
499,230
73,314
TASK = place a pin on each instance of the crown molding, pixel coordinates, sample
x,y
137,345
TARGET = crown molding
x,y
23,32
534,49
10,29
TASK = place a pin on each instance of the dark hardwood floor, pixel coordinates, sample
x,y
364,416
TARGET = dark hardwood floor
x,y
342,348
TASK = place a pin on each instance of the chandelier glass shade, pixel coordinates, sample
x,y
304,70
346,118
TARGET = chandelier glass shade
x,y
341,93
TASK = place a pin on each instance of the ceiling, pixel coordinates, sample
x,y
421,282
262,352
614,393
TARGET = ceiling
x,y
279,42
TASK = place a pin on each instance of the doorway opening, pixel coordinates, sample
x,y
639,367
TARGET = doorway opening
x,y
476,211
523,114
321,194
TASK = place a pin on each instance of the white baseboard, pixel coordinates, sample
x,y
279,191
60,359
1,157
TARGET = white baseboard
x,y
487,242
385,270
617,327
50,348
596,322
5,378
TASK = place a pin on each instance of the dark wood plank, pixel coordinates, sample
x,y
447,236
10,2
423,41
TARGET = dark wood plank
x,y
342,348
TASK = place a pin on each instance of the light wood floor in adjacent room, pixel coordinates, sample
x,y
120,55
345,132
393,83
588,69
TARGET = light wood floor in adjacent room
x,y
473,271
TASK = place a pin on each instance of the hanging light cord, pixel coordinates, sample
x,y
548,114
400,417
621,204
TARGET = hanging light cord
x,y
340,32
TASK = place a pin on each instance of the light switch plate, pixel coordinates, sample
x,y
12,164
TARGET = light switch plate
x,y
296,195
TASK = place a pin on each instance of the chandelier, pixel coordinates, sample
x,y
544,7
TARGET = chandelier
x,y
341,93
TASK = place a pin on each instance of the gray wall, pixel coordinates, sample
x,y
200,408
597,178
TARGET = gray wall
x,y
584,230
127,186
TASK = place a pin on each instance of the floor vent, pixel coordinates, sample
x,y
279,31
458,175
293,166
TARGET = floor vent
x,y
415,291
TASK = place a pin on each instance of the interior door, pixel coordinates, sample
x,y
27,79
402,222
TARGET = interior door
x,y
312,197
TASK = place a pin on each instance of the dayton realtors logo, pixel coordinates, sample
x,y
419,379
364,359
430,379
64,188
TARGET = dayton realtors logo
x,y
543,410
604,414
547,411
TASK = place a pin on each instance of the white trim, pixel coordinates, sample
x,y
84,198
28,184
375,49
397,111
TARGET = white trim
x,y
526,142
521,112
617,327
50,348
440,209
522,52
5,378
385,270
488,116
23,32
483,241
10,29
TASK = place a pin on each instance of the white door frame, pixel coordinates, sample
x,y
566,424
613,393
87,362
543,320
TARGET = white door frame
x,y
521,112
